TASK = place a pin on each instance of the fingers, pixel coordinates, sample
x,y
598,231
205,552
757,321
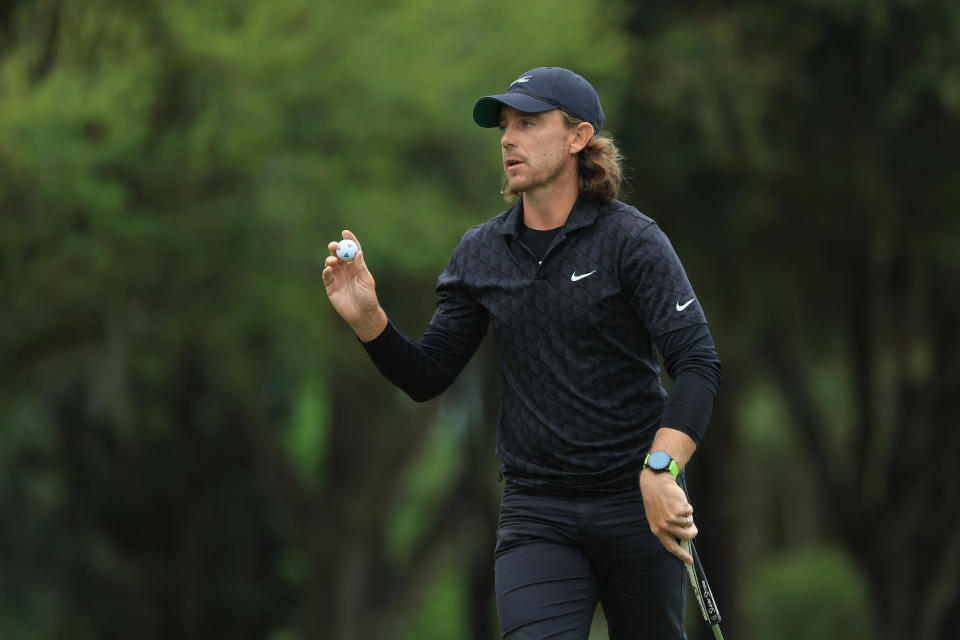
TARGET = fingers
x,y
358,259
347,235
688,532
674,536
338,273
684,519
674,546
676,529
683,528
682,531
673,513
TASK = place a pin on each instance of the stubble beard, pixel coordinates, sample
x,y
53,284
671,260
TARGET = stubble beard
x,y
535,177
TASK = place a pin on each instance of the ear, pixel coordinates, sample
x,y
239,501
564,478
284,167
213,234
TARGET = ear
x,y
581,136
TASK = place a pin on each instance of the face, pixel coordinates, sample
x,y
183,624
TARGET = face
x,y
536,148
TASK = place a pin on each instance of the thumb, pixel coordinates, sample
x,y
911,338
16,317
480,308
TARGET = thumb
x,y
357,259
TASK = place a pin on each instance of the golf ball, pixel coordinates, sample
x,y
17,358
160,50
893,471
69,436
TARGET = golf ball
x,y
346,250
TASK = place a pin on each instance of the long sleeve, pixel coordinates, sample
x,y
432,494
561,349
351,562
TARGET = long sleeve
x,y
425,368
690,358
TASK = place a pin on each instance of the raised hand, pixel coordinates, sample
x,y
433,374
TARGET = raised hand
x,y
352,292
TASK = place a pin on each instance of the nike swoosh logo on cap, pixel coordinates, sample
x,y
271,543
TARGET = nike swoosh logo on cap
x,y
574,277
681,307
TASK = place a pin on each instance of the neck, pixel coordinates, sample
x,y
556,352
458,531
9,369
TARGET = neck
x,y
548,206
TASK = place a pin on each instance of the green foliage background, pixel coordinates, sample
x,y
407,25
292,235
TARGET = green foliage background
x,y
193,445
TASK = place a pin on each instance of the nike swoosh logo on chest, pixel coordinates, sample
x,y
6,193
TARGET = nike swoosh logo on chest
x,y
574,277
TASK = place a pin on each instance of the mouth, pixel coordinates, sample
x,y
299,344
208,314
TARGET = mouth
x,y
512,163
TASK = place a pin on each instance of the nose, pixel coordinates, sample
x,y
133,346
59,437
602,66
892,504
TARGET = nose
x,y
506,138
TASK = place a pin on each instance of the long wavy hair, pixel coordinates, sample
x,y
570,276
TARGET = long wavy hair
x,y
599,165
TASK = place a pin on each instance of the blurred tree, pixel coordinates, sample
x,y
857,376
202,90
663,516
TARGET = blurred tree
x,y
810,595
194,446
813,148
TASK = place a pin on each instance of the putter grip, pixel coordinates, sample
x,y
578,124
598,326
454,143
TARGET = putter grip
x,y
701,588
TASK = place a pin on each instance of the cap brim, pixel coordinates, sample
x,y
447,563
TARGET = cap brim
x,y
486,112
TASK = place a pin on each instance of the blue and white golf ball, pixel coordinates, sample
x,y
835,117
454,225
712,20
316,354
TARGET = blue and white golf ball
x,y
346,250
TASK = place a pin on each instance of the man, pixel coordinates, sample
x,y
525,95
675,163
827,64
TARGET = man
x,y
579,288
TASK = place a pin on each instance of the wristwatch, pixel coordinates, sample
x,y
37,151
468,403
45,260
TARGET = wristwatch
x,y
660,461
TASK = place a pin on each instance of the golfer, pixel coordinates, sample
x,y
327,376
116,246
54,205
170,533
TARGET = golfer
x,y
581,291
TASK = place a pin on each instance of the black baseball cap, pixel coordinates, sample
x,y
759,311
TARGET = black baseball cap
x,y
543,89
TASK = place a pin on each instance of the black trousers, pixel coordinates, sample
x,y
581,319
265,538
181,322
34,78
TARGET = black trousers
x,y
557,556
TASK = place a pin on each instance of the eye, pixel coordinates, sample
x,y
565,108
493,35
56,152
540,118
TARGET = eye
x,y
502,127
528,123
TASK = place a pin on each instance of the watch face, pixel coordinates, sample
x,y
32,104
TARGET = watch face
x,y
658,460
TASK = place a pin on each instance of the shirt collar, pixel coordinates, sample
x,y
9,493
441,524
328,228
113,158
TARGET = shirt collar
x,y
583,214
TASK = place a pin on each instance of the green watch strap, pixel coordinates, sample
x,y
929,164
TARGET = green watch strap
x,y
674,468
